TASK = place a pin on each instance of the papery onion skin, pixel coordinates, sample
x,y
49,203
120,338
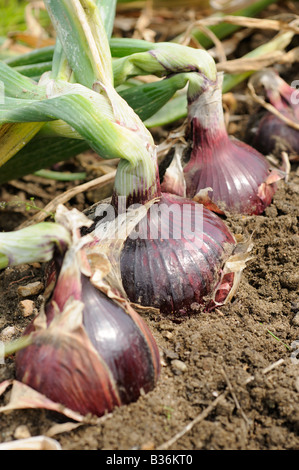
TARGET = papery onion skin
x,y
232,169
108,362
175,275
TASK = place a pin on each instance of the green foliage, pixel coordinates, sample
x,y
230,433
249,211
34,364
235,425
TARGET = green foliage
x,y
13,16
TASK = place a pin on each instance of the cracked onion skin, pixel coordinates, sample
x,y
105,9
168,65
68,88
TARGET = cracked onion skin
x,y
176,275
108,361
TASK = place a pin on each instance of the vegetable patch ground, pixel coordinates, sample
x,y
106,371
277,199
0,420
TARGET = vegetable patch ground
x,y
232,373
229,378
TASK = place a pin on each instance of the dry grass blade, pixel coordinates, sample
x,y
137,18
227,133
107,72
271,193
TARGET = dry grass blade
x,y
269,107
220,51
238,406
248,64
33,25
67,195
190,425
291,56
243,21
205,413
258,23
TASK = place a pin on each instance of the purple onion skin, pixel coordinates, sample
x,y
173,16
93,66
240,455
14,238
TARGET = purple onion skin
x,y
272,131
66,372
233,169
123,341
172,274
123,362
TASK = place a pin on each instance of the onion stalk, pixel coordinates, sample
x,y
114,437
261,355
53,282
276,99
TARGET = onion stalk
x,y
177,107
146,99
36,243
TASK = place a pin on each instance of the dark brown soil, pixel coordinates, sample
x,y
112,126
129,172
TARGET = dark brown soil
x,y
229,379
223,353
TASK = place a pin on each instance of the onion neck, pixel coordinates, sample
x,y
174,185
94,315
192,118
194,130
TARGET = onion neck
x,y
137,184
206,110
209,135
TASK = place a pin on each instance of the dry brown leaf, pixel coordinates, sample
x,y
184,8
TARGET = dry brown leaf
x,y
33,41
259,23
67,195
23,397
270,107
63,427
248,64
265,24
290,57
33,26
32,443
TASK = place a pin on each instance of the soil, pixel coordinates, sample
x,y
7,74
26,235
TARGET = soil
x,y
222,353
229,378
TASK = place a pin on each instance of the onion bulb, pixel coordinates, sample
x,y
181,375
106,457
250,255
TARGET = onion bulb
x,y
89,351
223,173
272,132
176,256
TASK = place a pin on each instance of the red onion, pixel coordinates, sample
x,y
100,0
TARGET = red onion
x,y
181,258
223,173
272,132
88,352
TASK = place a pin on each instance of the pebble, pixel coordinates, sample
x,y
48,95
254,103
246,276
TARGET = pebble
x,y
167,334
290,280
22,432
295,307
295,320
169,354
36,265
148,446
31,289
27,307
7,333
178,365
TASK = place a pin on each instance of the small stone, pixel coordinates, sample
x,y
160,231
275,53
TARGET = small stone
x,y
167,334
148,446
22,432
297,384
169,354
30,289
295,307
36,265
179,365
7,333
295,320
27,307
290,280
